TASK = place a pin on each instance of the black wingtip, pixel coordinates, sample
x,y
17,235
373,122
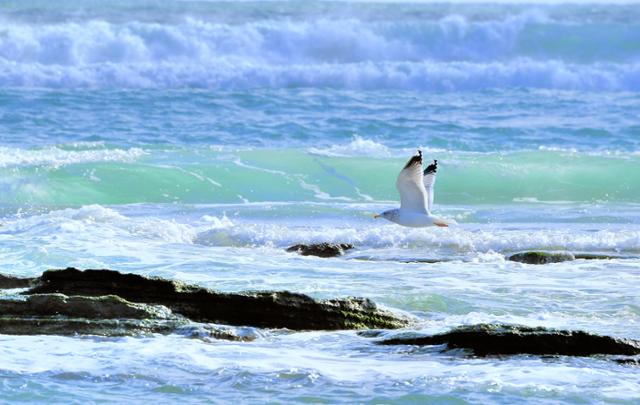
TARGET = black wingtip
x,y
432,168
415,159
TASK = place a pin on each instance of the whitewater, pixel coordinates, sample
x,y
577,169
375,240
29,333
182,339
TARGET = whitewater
x,y
197,140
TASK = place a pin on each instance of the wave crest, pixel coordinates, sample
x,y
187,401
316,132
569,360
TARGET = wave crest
x,y
453,53
55,157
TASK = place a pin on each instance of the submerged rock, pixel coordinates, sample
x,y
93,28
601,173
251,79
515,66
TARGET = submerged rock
x,y
628,362
421,260
321,249
497,339
536,257
8,281
541,257
280,309
601,256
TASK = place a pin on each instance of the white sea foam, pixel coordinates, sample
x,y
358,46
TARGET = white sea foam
x,y
358,146
95,223
452,53
602,153
315,40
56,157
487,242
89,226
363,147
425,75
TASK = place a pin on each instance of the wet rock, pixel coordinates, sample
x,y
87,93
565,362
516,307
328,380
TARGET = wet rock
x,y
58,314
104,307
321,249
281,309
541,257
8,281
598,256
420,260
628,362
56,325
209,333
497,339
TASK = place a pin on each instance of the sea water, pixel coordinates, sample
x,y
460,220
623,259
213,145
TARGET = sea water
x,y
197,140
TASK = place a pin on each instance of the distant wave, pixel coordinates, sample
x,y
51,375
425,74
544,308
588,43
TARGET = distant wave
x,y
452,53
359,146
362,76
110,176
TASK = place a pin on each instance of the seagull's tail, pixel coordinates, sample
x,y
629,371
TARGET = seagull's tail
x,y
443,222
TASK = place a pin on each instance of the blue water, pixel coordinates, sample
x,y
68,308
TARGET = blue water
x,y
196,140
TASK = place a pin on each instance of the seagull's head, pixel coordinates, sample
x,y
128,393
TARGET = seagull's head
x,y
389,214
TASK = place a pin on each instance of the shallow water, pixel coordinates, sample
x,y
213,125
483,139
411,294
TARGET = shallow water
x,y
197,140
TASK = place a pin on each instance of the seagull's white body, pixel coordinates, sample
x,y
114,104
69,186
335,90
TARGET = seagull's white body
x,y
410,218
416,196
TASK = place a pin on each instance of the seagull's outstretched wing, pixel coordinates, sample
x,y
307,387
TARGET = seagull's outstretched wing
x,y
413,196
429,180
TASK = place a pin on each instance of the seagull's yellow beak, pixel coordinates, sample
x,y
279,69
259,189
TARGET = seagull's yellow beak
x,y
377,216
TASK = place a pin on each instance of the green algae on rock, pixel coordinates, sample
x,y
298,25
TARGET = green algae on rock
x,y
536,257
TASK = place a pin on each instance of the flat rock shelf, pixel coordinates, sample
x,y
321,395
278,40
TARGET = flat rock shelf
x,y
108,294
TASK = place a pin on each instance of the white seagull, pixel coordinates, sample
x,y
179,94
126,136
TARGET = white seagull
x,y
416,196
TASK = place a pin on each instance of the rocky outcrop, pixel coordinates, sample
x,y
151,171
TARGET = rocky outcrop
x,y
7,281
57,314
321,249
538,257
104,307
541,257
497,339
280,309
64,326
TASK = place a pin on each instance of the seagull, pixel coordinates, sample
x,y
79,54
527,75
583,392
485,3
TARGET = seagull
x,y
416,196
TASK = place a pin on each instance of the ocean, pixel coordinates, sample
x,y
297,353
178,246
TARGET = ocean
x,y
197,140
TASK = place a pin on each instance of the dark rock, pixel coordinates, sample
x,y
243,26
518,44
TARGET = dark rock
x,y
628,362
7,281
105,307
421,260
496,339
598,256
260,309
57,314
321,249
541,257
52,325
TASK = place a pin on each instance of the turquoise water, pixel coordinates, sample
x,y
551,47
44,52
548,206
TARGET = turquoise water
x,y
196,140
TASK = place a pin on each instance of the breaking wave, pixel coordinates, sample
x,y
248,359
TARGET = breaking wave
x,y
454,52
